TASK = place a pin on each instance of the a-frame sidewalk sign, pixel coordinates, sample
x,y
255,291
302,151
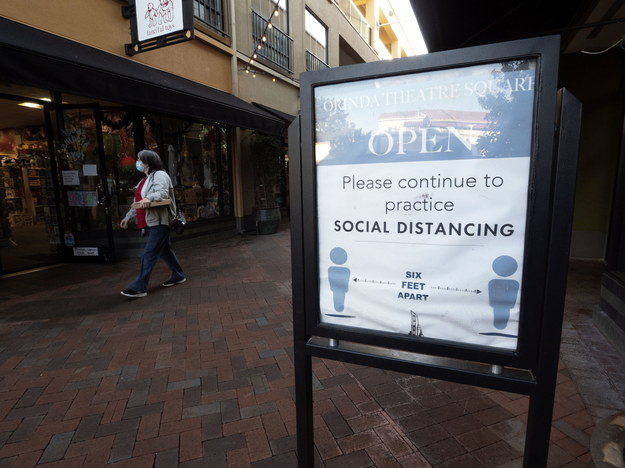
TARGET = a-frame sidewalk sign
x,y
431,212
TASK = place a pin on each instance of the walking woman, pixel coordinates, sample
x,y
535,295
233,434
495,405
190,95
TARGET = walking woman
x,y
155,186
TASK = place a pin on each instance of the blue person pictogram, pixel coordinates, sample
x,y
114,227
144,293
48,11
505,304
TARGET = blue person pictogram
x,y
502,293
338,277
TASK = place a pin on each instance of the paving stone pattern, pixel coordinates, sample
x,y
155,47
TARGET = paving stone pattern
x,y
201,375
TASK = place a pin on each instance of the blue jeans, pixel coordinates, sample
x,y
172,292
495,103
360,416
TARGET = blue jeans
x,y
157,245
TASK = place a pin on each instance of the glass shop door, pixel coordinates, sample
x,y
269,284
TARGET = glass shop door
x,y
85,229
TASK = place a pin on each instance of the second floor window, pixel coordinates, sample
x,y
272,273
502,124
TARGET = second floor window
x,y
267,8
316,42
270,39
211,13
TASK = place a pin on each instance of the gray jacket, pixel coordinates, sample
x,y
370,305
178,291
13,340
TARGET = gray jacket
x,y
157,187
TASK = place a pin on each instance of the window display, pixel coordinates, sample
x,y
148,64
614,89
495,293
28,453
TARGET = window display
x,y
196,156
198,161
93,173
120,153
28,219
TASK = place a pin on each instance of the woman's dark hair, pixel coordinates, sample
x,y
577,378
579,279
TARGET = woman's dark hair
x,y
151,159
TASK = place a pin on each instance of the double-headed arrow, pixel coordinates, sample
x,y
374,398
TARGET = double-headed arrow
x,y
441,288
359,280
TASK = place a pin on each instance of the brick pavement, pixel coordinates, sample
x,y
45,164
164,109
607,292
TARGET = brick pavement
x,y
201,374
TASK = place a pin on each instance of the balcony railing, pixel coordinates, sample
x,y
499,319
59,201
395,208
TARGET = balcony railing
x,y
355,17
278,47
314,63
212,13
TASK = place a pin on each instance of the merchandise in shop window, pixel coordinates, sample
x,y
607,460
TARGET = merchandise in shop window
x,y
26,183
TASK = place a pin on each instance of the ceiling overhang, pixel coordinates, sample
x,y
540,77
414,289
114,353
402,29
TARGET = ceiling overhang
x,y
590,25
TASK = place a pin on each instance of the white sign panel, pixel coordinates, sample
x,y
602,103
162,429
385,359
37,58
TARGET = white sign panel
x,y
71,177
422,189
90,169
158,17
86,252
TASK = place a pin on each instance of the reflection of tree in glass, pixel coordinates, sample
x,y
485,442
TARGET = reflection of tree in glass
x,y
508,132
333,126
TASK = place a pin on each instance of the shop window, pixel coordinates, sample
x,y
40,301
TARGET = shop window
x,y
226,174
28,219
197,158
120,154
78,160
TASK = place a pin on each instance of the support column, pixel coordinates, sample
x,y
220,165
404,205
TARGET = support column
x,y
237,183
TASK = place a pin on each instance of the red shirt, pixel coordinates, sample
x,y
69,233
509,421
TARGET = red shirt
x,y
140,211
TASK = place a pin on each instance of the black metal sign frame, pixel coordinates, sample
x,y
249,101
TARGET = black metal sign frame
x,y
531,367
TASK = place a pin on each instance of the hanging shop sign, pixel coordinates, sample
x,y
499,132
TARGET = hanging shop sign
x,y
158,23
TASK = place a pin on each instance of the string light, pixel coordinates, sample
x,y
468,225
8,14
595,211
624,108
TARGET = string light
x,y
259,44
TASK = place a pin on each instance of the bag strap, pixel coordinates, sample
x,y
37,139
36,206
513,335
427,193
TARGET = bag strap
x,y
172,196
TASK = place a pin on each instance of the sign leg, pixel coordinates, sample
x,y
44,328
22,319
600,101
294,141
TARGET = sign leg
x,y
538,429
304,409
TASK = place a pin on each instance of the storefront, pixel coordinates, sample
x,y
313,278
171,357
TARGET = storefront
x,y
71,120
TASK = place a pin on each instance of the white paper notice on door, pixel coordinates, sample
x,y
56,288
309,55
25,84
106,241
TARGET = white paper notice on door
x,y
71,177
90,169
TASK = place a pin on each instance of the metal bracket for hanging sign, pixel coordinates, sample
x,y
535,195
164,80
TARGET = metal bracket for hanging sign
x,y
128,11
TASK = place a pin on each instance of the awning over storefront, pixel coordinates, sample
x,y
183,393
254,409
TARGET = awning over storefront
x,y
36,58
288,118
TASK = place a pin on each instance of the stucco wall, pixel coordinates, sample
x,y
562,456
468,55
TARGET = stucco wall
x,y
284,95
100,24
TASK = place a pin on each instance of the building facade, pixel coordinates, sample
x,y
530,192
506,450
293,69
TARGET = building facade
x,y
76,104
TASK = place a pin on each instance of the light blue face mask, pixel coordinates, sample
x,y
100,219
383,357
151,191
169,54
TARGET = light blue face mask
x,y
139,165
